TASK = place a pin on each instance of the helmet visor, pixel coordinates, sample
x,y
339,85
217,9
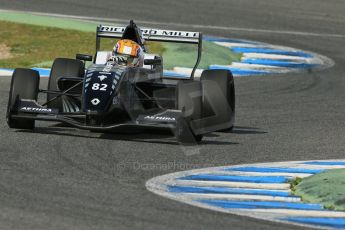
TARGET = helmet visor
x,y
126,60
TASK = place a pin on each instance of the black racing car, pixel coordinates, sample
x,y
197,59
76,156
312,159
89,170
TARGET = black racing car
x,y
107,97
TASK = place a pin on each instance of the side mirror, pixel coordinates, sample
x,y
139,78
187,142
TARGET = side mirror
x,y
156,61
84,57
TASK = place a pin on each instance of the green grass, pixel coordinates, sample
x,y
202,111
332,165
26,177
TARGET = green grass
x,y
48,21
31,44
327,188
184,55
294,183
37,46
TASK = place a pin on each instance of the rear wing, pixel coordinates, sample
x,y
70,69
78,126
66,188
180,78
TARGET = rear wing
x,y
152,34
148,34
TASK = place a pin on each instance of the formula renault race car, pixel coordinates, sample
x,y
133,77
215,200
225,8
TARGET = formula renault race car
x,y
109,97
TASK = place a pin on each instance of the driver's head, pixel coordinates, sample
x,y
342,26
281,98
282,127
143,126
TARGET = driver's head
x,y
128,53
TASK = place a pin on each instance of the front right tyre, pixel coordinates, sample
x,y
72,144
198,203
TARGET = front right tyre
x,y
62,67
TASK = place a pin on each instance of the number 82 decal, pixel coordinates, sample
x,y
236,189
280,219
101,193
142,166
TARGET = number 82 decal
x,y
101,87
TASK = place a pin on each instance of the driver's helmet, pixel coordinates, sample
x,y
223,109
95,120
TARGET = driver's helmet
x,y
128,53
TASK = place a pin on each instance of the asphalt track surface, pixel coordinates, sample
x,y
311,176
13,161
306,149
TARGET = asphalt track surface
x,y
59,178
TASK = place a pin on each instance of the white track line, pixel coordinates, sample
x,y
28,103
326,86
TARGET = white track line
x,y
195,26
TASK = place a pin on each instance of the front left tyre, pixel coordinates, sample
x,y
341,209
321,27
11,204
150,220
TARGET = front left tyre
x,y
24,85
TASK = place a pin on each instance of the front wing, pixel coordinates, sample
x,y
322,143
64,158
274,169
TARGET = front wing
x,y
31,110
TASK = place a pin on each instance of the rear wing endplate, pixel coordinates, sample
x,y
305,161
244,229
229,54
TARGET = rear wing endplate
x,y
148,34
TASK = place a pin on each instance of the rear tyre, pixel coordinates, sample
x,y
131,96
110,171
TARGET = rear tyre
x,y
62,67
24,85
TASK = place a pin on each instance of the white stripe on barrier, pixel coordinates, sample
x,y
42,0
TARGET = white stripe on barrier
x,y
258,67
5,73
281,186
242,197
274,57
235,44
304,213
193,192
238,173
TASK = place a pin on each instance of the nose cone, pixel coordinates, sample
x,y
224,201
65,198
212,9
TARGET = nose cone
x,y
99,90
